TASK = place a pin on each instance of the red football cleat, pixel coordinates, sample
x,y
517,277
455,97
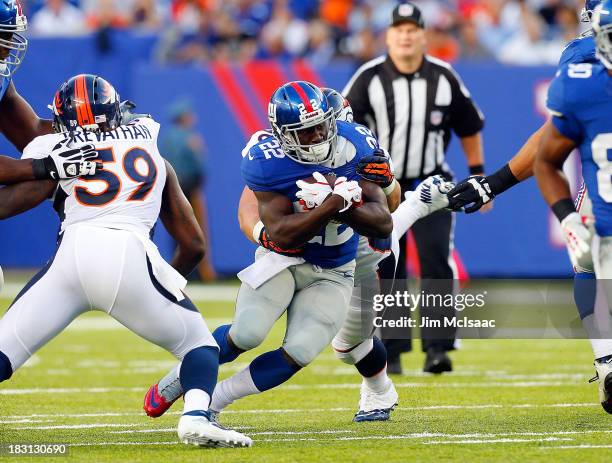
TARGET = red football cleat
x,y
154,403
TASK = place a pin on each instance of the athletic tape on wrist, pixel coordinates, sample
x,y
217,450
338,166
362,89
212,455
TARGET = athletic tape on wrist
x,y
257,231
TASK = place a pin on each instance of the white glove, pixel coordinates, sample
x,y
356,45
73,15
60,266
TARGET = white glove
x,y
313,194
430,195
67,161
350,192
578,239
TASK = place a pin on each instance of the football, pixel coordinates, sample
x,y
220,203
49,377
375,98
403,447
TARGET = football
x,y
331,179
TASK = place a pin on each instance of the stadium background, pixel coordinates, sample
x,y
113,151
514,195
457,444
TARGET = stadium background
x,y
234,71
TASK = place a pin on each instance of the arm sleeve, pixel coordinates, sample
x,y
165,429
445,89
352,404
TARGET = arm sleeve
x,y
356,92
466,119
561,111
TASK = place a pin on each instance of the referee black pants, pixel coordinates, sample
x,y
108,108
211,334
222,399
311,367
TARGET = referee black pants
x,y
433,235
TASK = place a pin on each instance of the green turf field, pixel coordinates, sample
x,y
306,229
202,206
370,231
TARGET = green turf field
x,y
508,400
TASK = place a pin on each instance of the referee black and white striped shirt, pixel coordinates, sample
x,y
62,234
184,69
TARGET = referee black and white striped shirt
x,y
413,114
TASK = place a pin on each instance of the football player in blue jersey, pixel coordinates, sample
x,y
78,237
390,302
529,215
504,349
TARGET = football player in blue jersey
x,y
310,272
580,103
475,191
18,121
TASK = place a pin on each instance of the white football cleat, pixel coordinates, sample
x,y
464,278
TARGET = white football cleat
x,y
200,428
376,406
604,375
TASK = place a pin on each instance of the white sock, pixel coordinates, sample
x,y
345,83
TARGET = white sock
x,y
378,382
406,214
196,399
231,389
598,325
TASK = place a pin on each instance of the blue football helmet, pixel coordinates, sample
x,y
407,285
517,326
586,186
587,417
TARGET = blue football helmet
x,y
587,12
602,30
342,108
295,111
13,44
88,102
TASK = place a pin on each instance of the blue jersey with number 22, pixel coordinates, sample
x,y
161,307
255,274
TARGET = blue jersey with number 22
x,y
580,100
266,168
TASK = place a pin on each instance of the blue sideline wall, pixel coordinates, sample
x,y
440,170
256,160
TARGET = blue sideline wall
x,y
512,240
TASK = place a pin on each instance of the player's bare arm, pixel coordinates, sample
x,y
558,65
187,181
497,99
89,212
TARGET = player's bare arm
x,y
519,168
373,218
553,151
178,218
248,213
394,198
291,230
521,164
15,170
18,121
20,124
22,197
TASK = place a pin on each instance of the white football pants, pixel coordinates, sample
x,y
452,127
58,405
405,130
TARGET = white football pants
x,y
99,269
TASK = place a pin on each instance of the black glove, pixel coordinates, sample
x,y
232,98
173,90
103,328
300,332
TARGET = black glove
x,y
127,115
66,162
474,190
376,168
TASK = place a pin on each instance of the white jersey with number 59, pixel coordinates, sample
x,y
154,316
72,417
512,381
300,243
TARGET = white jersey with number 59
x,y
126,193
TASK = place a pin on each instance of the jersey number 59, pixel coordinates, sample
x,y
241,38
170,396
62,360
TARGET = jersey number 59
x,y
113,186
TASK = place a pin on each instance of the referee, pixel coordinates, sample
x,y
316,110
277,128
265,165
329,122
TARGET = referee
x,y
412,102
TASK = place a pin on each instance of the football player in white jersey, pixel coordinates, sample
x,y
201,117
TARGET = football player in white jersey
x,y
354,344
105,259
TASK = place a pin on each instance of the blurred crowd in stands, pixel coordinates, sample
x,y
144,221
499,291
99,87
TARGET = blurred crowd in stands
x,y
524,32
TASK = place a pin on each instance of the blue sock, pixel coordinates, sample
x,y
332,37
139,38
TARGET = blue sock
x,y
585,290
375,361
199,369
228,353
6,370
271,369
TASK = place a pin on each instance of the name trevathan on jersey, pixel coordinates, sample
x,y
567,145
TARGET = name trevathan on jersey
x,y
123,132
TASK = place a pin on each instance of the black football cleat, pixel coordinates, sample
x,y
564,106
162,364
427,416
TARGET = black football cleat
x,y
437,361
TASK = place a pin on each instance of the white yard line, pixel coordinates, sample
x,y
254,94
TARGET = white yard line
x,y
81,426
312,410
581,446
243,428
98,444
302,387
463,438
68,390
496,441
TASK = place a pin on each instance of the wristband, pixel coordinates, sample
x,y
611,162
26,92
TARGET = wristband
x,y
501,180
478,169
39,170
389,189
257,231
563,208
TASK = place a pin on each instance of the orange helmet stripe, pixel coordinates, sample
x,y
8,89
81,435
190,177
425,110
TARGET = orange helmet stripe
x,y
81,97
89,112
